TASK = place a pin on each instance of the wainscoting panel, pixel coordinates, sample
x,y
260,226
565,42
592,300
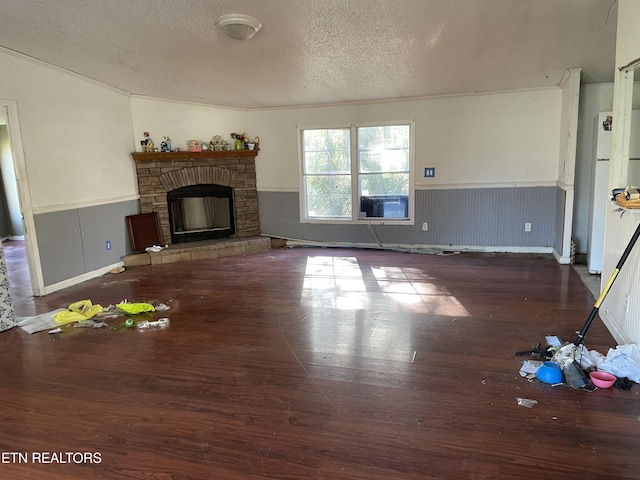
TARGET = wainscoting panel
x,y
73,242
104,223
620,310
483,217
60,245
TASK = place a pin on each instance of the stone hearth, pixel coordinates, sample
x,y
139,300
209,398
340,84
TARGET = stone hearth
x,y
200,251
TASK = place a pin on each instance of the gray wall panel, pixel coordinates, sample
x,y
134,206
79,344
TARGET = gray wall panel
x,y
101,223
60,245
475,217
73,242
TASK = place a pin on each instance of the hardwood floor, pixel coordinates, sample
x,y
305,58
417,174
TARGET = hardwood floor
x,y
316,363
18,272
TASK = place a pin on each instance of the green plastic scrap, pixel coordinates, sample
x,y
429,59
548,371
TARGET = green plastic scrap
x,y
135,308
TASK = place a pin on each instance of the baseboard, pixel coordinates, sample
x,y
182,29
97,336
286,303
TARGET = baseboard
x,y
564,260
80,278
405,247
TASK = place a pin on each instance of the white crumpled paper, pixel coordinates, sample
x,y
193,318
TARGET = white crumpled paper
x,y
623,362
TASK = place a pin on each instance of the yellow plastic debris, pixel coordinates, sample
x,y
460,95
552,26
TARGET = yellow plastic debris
x,y
135,308
78,311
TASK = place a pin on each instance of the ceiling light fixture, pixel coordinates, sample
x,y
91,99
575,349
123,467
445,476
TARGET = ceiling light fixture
x,y
238,26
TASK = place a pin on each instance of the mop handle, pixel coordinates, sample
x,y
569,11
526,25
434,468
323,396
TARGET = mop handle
x,y
607,287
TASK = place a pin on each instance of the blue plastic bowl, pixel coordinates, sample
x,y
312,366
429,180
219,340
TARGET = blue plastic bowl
x,y
550,372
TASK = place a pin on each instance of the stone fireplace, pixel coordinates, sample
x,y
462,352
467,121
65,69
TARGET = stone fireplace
x,y
200,195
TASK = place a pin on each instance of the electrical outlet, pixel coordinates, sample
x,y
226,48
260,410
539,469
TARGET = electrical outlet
x,y
108,245
429,172
425,227
527,227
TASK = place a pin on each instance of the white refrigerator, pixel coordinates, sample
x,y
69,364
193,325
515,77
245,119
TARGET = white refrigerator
x,y
600,193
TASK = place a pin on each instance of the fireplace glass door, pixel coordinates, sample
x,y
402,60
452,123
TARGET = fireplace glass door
x,y
200,212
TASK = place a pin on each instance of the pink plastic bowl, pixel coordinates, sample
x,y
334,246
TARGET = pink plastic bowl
x,y
603,379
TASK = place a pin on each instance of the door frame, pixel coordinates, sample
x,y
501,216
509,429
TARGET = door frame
x,y
24,197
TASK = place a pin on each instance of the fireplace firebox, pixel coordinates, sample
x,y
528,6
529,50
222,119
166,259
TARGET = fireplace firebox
x,y
200,212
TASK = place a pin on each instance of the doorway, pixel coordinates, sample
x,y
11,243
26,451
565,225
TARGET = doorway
x,y
21,252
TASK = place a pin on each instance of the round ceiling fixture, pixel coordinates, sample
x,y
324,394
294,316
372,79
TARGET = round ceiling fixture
x,y
238,26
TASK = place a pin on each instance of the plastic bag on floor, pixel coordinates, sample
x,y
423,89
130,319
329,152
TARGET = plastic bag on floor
x,y
135,308
78,311
623,362
585,357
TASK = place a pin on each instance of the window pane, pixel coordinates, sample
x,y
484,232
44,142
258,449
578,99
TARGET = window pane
x,y
384,184
328,196
383,149
340,161
316,162
326,151
314,140
339,139
318,185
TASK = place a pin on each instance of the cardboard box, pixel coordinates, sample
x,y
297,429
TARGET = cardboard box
x,y
194,145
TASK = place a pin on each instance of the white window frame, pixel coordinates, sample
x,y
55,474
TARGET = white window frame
x,y
355,197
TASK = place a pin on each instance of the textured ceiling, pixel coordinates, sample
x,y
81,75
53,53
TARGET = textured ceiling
x,y
316,51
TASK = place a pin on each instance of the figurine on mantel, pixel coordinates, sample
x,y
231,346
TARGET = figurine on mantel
x,y
165,145
256,141
147,144
217,144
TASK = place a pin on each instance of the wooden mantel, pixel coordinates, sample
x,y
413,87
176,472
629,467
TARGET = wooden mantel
x,y
168,156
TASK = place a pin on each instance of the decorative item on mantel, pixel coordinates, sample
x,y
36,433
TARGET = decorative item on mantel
x,y
242,142
165,145
239,140
194,145
147,144
217,144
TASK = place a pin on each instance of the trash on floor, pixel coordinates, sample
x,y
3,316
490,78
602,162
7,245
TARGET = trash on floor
x,y
154,249
82,310
117,270
135,308
538,352
550,372
147,325
526,402
39,323
623,362
577,367
91,323
162,307
128,323
529,367
56,330
574,375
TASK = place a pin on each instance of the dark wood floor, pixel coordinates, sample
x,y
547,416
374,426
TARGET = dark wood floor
x,y
317,363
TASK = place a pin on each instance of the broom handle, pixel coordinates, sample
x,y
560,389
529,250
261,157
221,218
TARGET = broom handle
x,y
605,290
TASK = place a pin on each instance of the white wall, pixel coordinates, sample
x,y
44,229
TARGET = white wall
x,y
594,98
77,136
502,139
183,121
